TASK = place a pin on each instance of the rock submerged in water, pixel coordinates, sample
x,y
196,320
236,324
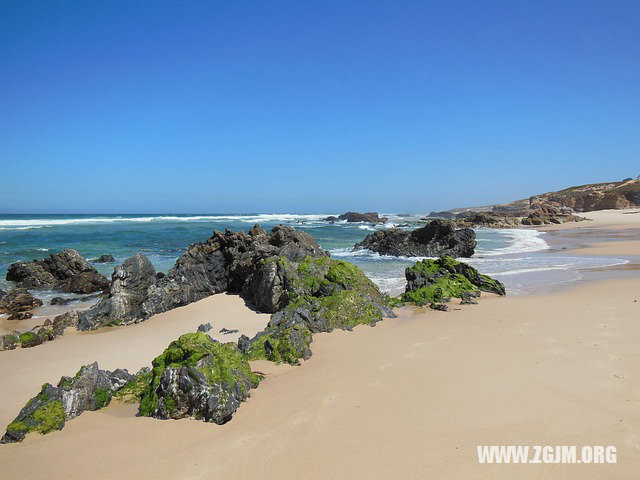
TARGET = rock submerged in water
x,y
67,271
197,377
432,282
90,389
436,238
104,259
355,217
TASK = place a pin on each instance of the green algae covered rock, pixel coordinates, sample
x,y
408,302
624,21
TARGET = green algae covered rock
x,y
315,294
436,281
198,377
90,389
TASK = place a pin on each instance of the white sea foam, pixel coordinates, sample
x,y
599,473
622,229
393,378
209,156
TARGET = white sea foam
x,y
520,241
23,224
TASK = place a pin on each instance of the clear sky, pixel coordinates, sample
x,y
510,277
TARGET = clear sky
x,y
270,106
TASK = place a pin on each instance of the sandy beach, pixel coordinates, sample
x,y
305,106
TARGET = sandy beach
x,y
409,398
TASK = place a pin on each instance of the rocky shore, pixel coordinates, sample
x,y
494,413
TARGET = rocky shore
x,y
284,272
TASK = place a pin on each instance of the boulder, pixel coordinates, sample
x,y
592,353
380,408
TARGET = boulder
x,y
436,238
197,377
18,300
355,217
104,259
67,271
127,292
317,294
204,327
436,281
90,389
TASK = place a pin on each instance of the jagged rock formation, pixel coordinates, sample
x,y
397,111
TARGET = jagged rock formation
x,y
130,283
17,303
355,217
223,263
90,389
435,281
67,271
486,219
197,377
434,239
39,334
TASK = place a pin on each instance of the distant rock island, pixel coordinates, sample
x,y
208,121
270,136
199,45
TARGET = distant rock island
x,y
355,217
548,208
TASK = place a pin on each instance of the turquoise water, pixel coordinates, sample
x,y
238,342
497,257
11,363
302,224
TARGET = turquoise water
x,y
519,257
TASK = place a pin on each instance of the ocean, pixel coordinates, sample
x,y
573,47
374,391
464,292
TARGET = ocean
x,y
521,258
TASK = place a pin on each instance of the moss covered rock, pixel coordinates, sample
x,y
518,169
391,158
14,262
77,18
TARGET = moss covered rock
x,y
315,294
90,389
198,377
436,281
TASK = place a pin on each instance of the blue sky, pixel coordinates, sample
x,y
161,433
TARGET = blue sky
x,y
117,106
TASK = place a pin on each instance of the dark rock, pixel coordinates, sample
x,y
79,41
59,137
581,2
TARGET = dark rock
x,y
437,281
20,316
85,282
226,331
9,341
197,377
90,389
67,271
442,307
60,301
244,343
224,263
314,295
127,292
331,219
18,300
104,259
204,327
369,217
434,239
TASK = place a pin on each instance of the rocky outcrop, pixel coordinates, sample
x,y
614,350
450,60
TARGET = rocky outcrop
x,y
90,389
39,334
223,263
541,213
436,238
18,300
435,281
128,290
67,271
104,259
197,377
487,220
355,217
561,206
309,296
